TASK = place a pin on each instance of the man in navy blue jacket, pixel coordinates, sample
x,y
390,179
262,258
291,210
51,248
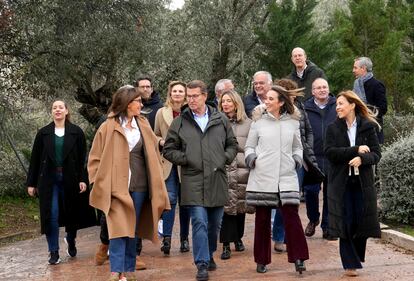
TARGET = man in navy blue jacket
x,y
262,82
321,110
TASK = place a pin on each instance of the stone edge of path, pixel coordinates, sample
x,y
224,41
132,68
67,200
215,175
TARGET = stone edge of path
x,y
397,238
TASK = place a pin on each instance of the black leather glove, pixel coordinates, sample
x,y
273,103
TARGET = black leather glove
x,y
251,160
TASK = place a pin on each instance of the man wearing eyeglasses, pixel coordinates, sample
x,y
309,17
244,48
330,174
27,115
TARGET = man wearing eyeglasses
x,y
150,99
202,142
262,82
304,71
321,110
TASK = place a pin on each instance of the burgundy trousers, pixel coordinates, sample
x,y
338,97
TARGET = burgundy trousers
x,y
296,245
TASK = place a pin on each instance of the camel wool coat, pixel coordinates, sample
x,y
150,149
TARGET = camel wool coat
x,y
108,168
163,120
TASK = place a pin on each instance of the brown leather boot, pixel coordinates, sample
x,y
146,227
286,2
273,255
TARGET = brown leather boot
x,y
139,264
101,254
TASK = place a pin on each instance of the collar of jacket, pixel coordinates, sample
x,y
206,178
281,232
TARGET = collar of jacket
x,y
213,115
310,103
154,99
363,124
50,128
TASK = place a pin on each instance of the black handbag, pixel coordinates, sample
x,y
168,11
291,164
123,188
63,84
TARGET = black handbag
x,y
313,175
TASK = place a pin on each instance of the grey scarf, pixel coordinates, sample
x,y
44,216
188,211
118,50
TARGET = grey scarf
x,y
359,86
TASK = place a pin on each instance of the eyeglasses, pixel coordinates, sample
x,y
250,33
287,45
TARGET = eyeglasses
x,y
145,87
138,100
193,97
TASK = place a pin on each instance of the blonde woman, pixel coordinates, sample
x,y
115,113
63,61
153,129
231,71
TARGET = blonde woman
x,y
232,226
352,148
176,98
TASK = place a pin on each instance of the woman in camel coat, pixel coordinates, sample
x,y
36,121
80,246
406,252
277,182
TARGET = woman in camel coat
x,y
125,170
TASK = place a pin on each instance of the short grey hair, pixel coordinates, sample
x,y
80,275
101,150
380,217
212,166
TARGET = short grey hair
x,y
220,85
365,61
269,76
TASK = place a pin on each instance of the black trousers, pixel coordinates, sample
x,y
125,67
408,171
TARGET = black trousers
x,y
352,249
232,228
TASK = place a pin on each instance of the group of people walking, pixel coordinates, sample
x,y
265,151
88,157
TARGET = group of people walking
x,y
217,161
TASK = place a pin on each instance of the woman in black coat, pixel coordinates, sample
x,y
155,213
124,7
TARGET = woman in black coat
x,y
352,148
57,174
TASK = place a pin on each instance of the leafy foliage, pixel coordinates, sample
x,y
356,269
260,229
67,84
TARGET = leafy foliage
x,y
396,171
84,49
289,26
378,30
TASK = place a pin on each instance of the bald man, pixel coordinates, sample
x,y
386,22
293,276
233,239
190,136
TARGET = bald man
x,y
304,71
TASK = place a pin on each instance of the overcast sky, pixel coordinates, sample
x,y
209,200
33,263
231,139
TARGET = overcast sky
x,y
176,4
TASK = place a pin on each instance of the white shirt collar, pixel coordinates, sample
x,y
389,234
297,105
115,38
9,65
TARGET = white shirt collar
x,y
124,122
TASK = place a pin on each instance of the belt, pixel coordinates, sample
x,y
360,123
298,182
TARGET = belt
x,y
59,169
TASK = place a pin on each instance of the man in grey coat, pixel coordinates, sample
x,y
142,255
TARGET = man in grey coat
x,y
202,142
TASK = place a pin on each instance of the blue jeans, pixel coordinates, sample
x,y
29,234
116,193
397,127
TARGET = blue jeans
x,y
57,196
173,188
122,250
312,201
206,222
172,183
278,229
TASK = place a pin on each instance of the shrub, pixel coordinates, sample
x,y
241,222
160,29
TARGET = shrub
x,y
396,172
397,126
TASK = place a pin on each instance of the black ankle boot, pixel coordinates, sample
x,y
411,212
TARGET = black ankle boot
x,y
226,252
239,246
261,268
300,266
166,245
185,245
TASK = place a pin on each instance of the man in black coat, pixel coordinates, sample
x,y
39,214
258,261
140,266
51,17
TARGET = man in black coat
x,y
262,82
150,99
370,90
305,71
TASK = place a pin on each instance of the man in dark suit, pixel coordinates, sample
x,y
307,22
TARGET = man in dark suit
x,y
370,90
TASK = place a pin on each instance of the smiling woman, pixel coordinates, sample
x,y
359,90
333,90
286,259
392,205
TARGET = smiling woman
x,y
57,175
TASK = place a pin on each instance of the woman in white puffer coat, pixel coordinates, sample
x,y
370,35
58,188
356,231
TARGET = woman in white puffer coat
x,y
273,152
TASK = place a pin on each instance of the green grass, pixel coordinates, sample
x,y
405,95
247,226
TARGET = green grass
x,y
15,210
407,229
404,228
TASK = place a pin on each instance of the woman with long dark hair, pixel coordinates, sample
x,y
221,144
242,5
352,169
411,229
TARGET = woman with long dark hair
x,y
125,169
352,148
273,153
57,174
